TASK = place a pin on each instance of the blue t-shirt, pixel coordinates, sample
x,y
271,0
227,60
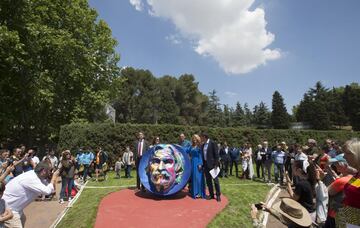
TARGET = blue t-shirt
x,y
279,157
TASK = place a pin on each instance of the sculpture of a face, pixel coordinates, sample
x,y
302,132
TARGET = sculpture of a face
x,y
165,168
162,169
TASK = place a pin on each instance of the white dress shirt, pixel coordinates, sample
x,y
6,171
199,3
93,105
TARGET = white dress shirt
x,y
23,189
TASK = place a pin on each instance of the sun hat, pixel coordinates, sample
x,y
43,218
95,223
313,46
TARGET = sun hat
x,y
293,211
338,158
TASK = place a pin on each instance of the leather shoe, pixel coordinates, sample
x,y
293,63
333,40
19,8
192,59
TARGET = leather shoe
x,y
218,198
210,197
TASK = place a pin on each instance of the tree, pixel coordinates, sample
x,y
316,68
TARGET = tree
x,y
58,62
214,113
238,116
351,100
320,118
248,115
309,109
335,105
261,115
279,115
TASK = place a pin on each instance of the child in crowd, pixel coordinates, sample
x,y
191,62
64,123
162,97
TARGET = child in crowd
x,y
118,164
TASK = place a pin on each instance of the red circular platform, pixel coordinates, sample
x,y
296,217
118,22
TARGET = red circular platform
x,y
127,208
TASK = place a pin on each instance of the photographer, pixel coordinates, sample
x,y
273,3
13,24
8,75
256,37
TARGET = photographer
x,y
23,189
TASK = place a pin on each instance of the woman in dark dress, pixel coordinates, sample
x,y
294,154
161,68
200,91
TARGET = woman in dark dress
x,y
197,189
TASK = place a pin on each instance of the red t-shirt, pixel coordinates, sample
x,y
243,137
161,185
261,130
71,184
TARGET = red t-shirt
x,y
352,192
338,186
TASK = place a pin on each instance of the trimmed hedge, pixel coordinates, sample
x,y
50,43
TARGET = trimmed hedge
x,y
114,138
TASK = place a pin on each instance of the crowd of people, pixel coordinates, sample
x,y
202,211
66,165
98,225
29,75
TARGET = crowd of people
x,y
25,178
322,180
323,184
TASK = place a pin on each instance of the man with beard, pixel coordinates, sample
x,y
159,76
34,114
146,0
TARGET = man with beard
x,y
165,169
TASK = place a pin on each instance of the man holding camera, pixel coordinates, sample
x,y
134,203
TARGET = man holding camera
x,y
23,189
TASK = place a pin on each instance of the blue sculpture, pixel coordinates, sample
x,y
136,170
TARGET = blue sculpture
x,y
165,169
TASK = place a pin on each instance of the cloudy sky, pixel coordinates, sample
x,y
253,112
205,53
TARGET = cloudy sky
x,y
244,49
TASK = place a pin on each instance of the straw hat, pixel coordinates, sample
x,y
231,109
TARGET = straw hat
x,y
293,211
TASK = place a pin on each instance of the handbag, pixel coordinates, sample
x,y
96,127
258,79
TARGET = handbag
x,y
105,167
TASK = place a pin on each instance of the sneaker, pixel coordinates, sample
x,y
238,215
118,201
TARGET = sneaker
x,y
69,200
61,201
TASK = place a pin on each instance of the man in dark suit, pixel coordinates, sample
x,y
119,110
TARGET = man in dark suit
x,y
210,155
234,160
141,146
225,159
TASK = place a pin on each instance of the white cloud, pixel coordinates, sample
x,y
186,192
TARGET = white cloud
x,y
137,4
227,30
230,94
175,39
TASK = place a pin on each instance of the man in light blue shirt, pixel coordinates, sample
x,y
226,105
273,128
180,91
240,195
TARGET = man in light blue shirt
x,y
279,158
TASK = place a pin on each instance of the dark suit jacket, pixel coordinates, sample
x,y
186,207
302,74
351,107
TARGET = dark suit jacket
x,y
144,149
223,155
212,155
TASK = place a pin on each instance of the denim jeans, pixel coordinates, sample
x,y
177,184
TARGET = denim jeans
x,y
66,183
279,168
86,171
127,171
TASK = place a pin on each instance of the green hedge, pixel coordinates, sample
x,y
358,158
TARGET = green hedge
x,y
114,138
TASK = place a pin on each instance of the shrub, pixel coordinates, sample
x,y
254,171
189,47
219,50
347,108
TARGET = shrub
x,y
114,138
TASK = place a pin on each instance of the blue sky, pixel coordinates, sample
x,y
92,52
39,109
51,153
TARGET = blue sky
x,y
310,41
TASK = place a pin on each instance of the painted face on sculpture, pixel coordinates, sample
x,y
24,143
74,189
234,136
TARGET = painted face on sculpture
x,y
162,169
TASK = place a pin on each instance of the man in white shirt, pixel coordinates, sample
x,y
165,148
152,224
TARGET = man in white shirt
x,y
23,189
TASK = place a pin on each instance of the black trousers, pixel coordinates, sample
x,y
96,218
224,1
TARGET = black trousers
x,y
138,183
224,167
209,182
236,163
259,166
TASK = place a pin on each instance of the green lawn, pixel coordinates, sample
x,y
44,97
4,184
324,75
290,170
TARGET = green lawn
x,y
241,193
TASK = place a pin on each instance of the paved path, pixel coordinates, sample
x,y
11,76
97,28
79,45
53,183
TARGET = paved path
x,y
42,214
145,210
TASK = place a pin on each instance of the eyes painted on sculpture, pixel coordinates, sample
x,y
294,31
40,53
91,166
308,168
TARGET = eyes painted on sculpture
x,y
162,169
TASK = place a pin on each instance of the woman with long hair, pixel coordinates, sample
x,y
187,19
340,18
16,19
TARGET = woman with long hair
x,y
67,173
197,188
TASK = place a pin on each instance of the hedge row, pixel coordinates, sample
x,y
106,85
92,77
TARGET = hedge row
x,y
114,138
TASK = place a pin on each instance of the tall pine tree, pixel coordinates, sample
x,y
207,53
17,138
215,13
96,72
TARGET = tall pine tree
x,y
279,115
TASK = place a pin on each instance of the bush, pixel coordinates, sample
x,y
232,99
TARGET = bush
x,y
114,138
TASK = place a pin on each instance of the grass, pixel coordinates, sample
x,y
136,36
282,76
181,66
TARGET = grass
x,y
240,193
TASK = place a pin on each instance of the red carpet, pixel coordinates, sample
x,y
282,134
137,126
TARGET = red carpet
x,y
129,209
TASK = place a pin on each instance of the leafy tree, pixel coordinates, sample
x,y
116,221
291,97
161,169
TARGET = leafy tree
x,y
214,113
320,118
57,64
261,115
248,115
335,105
191,101
351,99
279,115
238,116
227,116
309,109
